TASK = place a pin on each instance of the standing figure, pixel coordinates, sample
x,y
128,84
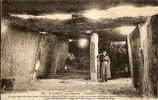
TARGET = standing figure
x,y
69,62
105,66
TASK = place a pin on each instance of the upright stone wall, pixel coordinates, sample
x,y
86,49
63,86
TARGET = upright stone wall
x,y
134,47
93,56
149,44
21,50
60,52
146,50
44,55
18,53
52,54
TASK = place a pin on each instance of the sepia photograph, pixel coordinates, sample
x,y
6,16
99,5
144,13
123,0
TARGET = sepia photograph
x,y
79,50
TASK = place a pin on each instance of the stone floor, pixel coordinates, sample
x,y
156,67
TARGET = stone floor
x,y
74,87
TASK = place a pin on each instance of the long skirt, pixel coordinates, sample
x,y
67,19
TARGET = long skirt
x,y
105,71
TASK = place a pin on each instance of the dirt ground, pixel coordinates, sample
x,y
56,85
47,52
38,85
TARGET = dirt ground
x,y
72,86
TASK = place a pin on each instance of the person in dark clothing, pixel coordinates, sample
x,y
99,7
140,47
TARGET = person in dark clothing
x,y
69,62
105,66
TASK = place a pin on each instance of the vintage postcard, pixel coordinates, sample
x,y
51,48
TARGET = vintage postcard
x,y
79,50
